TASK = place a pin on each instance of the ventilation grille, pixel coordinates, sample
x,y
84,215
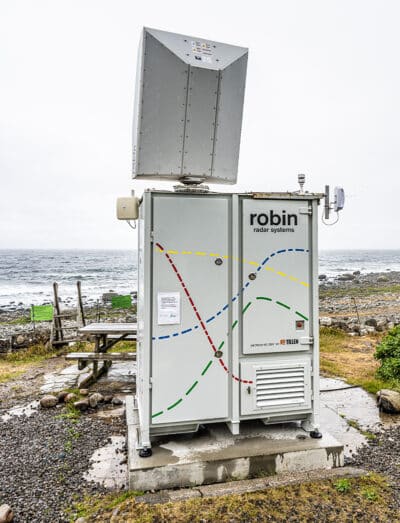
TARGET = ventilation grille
x,y
280,386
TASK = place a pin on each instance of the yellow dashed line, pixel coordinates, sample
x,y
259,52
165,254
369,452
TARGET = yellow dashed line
x,y
226,257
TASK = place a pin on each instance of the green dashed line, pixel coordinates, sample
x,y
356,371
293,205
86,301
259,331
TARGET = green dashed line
x,y
174,404
206,367
265,298
283,305
191,388
302,316
247,306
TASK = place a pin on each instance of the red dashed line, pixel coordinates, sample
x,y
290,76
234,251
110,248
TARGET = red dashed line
x,y
198,315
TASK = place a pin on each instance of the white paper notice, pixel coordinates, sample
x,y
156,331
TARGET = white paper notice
x,y
169,308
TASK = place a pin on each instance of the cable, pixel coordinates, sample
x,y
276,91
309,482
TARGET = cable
x,y
130,225
329,224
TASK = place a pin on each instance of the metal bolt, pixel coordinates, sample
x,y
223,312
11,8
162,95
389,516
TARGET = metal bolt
x,y
218,261
252,276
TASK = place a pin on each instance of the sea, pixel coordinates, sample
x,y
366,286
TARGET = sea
x,y
26,276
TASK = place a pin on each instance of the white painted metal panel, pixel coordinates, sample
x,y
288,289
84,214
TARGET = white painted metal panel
x,y
188,382
278,387
276,274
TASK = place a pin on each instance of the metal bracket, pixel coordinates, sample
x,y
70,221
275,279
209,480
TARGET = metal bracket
x,y
305,210
307,340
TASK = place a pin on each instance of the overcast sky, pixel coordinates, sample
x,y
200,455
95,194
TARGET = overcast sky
x,y
322,98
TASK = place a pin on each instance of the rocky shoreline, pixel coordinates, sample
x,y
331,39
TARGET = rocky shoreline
x,y
357,303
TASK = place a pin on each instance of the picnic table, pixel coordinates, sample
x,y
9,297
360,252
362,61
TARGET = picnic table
x,y
106,335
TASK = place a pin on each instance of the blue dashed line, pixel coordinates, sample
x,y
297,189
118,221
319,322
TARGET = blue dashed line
x,y
234,298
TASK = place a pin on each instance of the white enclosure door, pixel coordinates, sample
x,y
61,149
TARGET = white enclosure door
x,y
276,272
191,268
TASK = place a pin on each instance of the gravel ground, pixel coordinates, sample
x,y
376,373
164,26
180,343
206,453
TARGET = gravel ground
x,y
43,459
382,455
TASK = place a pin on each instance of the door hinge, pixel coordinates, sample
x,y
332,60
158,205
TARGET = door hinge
x,y
305,210
307,340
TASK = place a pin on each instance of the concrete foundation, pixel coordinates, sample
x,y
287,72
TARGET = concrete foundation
x,y
214,455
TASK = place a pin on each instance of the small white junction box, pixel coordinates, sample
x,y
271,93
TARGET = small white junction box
x,y
227,311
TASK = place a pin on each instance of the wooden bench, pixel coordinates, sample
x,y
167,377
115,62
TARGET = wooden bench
x,y
102,356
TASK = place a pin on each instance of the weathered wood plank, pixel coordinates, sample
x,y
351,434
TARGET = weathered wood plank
x,y
102,356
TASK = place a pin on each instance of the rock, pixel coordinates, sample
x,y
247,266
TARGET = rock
x,y
322,277
95,399
82,405
6,514
81,520
70,397
117,401
325,321
346,277
371,322
61,396
369,329
357,273
108,296
108,398
388,401
20,339
48,401
382,279
83,392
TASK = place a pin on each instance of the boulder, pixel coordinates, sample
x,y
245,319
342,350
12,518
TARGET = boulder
x,y
48,401
95,399
61,396
357,273
325,321
6,514
388,401
82,405
382,278
322,277
117,401
108,398
70,397
371,322
346,277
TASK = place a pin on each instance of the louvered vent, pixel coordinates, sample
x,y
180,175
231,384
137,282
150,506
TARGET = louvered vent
x,y
280,386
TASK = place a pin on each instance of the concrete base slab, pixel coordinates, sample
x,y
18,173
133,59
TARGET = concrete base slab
x,y
214,455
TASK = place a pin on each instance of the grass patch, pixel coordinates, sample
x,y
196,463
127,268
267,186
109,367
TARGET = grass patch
x,y
332,500
360,291
352,359
93,504
23,320
16,363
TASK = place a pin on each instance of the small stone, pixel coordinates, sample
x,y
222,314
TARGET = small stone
x,y
322,277
20,339
48,401
82,405
382,279
95,399
61,396
357,273
84,392
117,401
346,277
371,322
6,514
70,397
325,321
388,401
81,520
